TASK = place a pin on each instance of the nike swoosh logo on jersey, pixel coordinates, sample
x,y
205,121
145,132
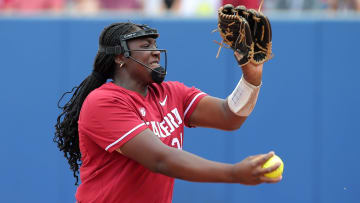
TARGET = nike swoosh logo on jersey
x,y
163,102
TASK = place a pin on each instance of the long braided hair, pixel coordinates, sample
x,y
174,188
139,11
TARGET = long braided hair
x,y
66,134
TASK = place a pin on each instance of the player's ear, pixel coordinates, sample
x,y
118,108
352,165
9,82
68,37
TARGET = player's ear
x,y
119,59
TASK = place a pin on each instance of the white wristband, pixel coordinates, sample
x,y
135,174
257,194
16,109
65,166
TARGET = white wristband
x,y
243,99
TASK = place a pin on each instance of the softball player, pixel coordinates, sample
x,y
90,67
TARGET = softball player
x,y
125,136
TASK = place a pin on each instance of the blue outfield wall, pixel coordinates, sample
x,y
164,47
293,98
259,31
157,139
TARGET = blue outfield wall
x,y
307,110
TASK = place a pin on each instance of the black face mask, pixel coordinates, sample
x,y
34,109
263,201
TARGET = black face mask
x,y
158,74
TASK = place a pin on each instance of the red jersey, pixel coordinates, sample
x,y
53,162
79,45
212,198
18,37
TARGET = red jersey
x,y
110,116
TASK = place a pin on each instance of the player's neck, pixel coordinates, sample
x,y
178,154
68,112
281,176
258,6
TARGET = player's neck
x,y
140,88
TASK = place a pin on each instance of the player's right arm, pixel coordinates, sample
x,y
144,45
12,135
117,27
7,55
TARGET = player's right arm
x,y
148,150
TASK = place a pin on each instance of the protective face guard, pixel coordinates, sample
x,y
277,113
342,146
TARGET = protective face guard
x,y
146,31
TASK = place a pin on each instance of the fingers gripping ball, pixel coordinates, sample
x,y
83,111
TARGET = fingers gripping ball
x,y
235,32
273,160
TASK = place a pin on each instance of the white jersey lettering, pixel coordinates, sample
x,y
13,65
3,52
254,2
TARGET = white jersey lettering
x,y
164,128
172,120
161,133
177,115
169,124
155,129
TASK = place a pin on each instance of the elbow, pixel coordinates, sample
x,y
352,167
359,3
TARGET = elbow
x,y
159,167
234,123
233,127
161,163
169,163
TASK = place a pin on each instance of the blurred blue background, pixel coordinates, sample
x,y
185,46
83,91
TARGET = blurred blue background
x,y
307,112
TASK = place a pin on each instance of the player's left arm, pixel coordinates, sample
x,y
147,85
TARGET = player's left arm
x,y
219,113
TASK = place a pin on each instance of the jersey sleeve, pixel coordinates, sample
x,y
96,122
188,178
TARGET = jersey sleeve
x,y
109,122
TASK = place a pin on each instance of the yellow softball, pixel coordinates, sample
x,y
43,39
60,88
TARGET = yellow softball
x,y
278,172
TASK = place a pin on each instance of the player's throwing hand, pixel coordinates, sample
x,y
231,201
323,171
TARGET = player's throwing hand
x,y
250,171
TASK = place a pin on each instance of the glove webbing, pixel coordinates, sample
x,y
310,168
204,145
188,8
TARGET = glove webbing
x,y
240,38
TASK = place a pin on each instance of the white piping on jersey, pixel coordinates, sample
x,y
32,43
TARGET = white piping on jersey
x,y
187,109
126,134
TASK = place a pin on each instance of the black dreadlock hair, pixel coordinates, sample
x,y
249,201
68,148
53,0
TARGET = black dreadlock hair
x,y
66,134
